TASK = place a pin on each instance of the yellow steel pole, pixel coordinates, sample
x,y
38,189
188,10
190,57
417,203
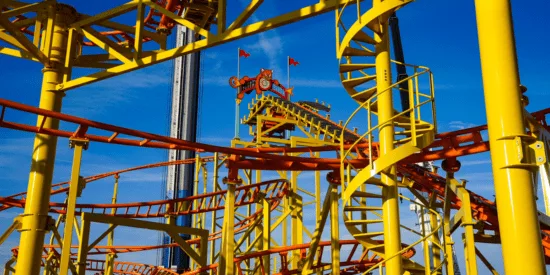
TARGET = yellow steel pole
x,y
390,203
517,213
196,218
35,217
286,207
436,243
266,235
78,145
214,216
260,229
334,230
296,216
227,252
448,241
110,258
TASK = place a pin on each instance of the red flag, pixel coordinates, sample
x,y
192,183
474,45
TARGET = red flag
x,y
291,61
243,53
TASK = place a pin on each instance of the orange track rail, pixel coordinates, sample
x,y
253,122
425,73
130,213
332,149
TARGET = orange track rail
x,y
244,195
447,145
355,262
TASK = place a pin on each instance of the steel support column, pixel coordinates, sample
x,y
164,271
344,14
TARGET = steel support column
x,y
266,235
390,204
227,253
517,213
35,217
110,258
78,145
334,230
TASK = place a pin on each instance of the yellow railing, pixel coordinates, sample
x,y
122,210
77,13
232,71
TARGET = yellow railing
x,y
417,100
423,239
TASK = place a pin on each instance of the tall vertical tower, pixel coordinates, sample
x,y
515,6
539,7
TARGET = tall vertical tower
x,y
183,125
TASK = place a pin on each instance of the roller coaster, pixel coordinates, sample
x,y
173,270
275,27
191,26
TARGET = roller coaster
x,y
247,223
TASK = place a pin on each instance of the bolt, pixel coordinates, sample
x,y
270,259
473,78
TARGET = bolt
x,y
539,159
539,146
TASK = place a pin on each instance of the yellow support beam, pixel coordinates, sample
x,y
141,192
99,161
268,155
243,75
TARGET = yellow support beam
x,y
213,226
447,240
35,218
110,258
227,254
319,227
390,201
23,40
266,234
512,171
227,36
78,145
297,227
334,230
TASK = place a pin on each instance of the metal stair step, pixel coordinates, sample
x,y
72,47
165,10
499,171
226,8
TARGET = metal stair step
x,y
374,25
364,37
365,94
368,234
344,68
362,208
408,125
350,51
409,132
363,194
353,82
361,222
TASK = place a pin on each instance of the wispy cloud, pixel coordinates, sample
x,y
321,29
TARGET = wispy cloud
x,y
271,45
475,162
16,145
218,81
216,140
315,83
459,125
98,97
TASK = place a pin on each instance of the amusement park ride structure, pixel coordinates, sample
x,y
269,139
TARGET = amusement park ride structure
x,y
261,230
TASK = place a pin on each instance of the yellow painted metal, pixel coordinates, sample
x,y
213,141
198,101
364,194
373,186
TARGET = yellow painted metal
x,y
317,234
513,177
213,222
286,207
248,11
35,217
200,256
467,222
196,219
223,36
447,240
110,258
334,230
297,227
486,262
425,243
7,266
21,40
261,229
436,247
390,202
78,145
227,253
266,235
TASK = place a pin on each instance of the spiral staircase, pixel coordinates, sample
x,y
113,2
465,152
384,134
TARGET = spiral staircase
x,y
356,50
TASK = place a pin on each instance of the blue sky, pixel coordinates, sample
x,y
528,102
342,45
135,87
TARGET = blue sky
x,y
438,34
